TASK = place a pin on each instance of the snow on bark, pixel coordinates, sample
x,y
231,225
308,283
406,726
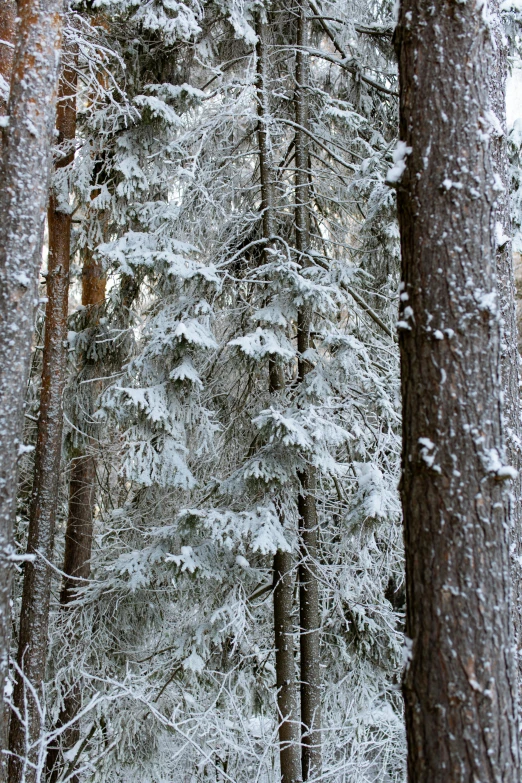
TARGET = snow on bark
x,y
460,681
510,358
24,175
34,615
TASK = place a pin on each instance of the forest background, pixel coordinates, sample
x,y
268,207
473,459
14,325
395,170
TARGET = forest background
x,y
214,586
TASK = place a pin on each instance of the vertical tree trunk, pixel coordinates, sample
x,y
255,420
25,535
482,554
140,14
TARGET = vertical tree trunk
x,y
78,535
80,520
79,531
34,617
7,48
309,585
287,702
24,183
460,684
510,357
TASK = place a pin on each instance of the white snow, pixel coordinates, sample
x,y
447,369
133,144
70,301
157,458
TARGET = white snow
x,y
400,154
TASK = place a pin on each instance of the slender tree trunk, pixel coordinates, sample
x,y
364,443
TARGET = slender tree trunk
x,y
34,617
460,684
78,535
510,356
309,585
287,702
80,520
7,48
78,548
24,177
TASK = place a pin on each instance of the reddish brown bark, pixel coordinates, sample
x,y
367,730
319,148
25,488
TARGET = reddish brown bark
x,y
34,617
460,685
80,520
93,281
24,176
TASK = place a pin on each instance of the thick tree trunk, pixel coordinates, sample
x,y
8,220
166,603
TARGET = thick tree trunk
x,y
308,582
287,702
460,684
34,617
24,177
510,357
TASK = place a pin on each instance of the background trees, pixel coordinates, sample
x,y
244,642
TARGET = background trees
x,y
227,597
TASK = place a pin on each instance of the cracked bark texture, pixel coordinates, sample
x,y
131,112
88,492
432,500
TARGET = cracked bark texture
x,y
24,176
460,682
510,357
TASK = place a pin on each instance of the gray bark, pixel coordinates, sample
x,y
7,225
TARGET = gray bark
x,y
24,176
7,47
308,582
460,684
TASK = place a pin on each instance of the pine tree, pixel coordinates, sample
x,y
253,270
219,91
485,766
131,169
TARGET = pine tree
x,y
25,164
454,473
34,615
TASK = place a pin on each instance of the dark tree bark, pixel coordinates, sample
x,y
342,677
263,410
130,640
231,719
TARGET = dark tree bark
x,y
24,176
34,616
287,702
308,582
7,48
284,580
460,684
78,535
510,356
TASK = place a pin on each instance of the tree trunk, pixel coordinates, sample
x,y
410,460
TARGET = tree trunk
x,y
34,616
308,582
24,178
460,684
289,747
287,707
80,520
7,47
79,531
510,357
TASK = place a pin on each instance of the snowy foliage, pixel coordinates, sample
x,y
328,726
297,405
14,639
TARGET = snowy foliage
x,y
198,461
